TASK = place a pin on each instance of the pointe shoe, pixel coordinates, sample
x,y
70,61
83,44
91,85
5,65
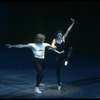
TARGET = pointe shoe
x,y
41,84
59,87
66,62
37,90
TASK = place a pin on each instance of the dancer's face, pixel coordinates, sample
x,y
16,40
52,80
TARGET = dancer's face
x,y
39,40
59,35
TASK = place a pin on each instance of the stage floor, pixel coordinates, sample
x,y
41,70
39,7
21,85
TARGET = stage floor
x,y
80,79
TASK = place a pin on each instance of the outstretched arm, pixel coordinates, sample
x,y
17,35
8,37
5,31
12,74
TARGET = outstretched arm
x,y
17,46
69,28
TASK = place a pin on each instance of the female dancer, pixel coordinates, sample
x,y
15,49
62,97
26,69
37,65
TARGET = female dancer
x,y
38,49
59,43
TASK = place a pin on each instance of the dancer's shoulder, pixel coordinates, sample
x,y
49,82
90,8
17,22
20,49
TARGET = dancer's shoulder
x,y
46,44
31,44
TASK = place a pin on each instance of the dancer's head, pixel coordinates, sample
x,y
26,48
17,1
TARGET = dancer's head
x,y
40,38
59,34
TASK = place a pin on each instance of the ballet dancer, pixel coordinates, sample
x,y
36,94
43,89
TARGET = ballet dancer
x,y
59,43
38,49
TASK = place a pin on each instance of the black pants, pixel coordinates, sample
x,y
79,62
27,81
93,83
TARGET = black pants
x,y
65,56
39,65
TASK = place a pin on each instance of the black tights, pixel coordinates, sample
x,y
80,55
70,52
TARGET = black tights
x,y
39,66
65,57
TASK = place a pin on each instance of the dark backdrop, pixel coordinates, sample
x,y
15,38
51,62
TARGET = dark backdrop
x,y
4,21
26,19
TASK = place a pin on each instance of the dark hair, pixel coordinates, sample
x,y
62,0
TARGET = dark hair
x,y
41,36
59,31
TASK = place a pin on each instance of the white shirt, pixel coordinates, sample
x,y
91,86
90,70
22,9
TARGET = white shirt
x,y
38,50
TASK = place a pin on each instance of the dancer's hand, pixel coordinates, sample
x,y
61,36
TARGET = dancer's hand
x,y
73,20
55,47
61,52
8,45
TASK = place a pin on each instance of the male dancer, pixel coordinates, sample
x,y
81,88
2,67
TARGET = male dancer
x,y
38,49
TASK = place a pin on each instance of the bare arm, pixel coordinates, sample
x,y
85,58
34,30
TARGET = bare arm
x,y
69,28
17,46
53,43
58,51
53,47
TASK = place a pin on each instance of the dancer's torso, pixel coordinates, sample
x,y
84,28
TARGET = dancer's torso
x,y
38,50
60,46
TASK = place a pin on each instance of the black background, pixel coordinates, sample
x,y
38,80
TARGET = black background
x,y
26,19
